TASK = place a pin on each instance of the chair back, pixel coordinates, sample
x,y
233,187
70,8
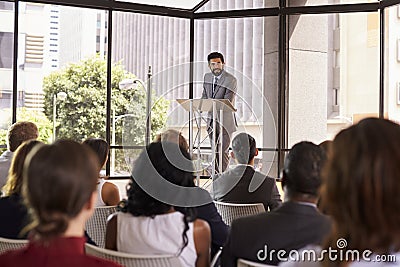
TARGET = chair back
x,y
96,225
11,244
246,263
132,260
231,211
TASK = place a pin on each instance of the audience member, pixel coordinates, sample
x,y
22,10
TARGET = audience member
x,y
59,187
14,215
326,145
17,134
173,136
293,225
360,192
108,193
243,184
207,212
149,226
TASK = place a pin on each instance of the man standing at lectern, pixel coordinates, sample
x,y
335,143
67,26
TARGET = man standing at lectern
x,y
219,84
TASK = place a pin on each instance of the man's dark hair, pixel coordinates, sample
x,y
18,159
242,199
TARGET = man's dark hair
x,y
215,55
244,148
302,169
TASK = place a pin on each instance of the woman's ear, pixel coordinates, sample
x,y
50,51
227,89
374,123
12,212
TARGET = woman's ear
x,y
256,154
90,205
88,208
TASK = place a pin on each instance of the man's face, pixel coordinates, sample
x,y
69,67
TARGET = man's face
x,y
216,66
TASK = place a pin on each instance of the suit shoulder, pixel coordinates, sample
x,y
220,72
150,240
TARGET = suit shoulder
x,y
325,219
262,176
229,75
270,179
207,75
228,174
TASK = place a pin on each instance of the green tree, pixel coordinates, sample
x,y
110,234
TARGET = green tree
x,y
83,113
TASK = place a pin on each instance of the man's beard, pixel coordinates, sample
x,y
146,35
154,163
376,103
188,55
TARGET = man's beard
x,y
216,72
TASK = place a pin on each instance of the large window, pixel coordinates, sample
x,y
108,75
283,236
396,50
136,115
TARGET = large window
x,y
250,49
143,45
6,65
333,73
65,63
319,77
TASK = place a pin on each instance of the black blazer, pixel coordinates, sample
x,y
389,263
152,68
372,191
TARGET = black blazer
x,y
243,184
219,230
290,227
13,217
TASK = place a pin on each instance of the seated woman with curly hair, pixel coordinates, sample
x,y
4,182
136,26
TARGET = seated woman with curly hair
x,y
148,225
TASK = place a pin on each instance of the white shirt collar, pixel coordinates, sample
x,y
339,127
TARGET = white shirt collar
x,y
218,77
306,203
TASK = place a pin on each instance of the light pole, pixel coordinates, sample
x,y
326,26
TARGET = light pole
x,y
62,96
129,84
114,121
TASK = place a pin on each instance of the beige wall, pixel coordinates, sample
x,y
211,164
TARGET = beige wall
x,y
392,63
308,68
359,64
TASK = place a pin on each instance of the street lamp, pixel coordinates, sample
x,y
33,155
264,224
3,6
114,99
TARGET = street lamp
x,y
114,121
62,96
127,84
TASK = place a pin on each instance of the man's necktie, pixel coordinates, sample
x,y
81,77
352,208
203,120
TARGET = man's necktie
x,y
214,86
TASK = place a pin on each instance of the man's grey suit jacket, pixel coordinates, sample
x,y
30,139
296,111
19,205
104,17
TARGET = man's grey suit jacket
x,y
243,184
225,89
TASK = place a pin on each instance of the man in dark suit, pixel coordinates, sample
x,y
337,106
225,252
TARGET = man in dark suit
x,y
219,84
297,223
243,184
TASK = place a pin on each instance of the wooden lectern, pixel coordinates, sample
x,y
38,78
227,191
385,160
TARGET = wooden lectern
x,y
207,105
